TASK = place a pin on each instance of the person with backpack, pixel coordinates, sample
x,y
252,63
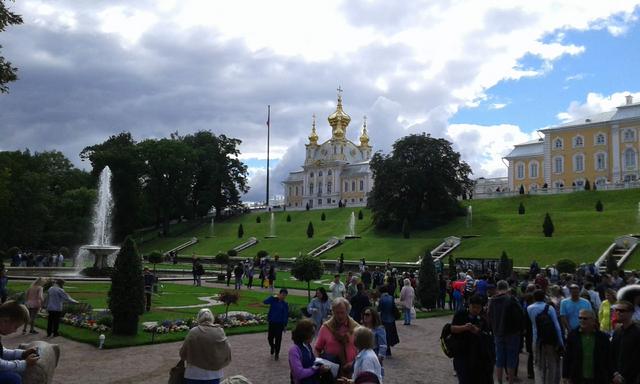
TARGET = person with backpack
x,y
473,357
547,340
507,322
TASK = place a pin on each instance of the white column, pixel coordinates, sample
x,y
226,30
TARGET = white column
x,y
615,153
546,167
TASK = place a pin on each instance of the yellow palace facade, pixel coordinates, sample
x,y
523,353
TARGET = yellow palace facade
x,y
602,149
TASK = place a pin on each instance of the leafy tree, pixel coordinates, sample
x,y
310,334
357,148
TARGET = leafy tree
x,y
360,215
521,209
420,180
521,190
222,259
126,295
323,217
7,71
406,228
307,268
258,219
566,266
587,185
505,267
288,218
599,206
428,288
228,297
547,226
240,231
310,230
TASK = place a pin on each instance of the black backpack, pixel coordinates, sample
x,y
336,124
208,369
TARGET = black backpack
x,y
450,343
546,330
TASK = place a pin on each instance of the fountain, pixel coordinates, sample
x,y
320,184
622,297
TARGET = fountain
x,y
272,227
100,247
352,227
469,216
211,226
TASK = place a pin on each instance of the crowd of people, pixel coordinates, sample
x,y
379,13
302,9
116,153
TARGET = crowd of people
x,y
575,328
37,259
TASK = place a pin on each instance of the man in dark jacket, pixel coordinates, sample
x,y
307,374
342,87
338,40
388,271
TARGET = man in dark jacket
x,y
366,278
359,301
587,359
507,322
625,345
278,318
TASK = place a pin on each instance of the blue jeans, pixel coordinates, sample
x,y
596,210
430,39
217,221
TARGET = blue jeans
x,y
407,315
7,377
193,381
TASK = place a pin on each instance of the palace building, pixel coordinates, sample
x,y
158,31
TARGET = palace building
x,y
334,172
602,148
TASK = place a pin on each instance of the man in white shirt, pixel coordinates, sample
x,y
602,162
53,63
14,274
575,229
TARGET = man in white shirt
x,y
337,287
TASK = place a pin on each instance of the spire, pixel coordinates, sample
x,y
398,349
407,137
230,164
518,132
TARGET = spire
x,y
313,138
364,138
339,120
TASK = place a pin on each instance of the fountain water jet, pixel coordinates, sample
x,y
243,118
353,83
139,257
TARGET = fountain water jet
x,y
352,227
272,227
469,217
100,247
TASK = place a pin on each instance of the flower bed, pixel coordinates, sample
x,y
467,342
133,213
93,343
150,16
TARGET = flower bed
x,y
95,321
234,319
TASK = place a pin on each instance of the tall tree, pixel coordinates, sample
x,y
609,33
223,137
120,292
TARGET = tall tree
x,y
428,286
421,180
121,154
307,268
7,70
126,295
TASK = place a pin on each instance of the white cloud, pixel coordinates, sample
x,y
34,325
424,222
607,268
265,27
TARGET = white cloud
x,y
497,105
595,103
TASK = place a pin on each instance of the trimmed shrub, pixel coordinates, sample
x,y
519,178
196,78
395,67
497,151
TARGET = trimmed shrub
x,y
521,191
566,266
232,252
126,295
360,215
228,297
310,230
547,226
288,218
154,258
505,267
262,253
599,206
587,185
323,217
521,209
428,288
307,268
258,219
241,231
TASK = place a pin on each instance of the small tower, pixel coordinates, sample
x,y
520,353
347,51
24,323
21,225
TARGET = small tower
x,y
313,138
339,120
364,138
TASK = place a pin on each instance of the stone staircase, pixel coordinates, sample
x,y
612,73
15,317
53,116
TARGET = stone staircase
x,y
247,244
445,248
620,250
194,240
324,247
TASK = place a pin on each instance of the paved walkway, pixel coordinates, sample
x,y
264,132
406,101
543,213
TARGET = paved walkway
x,y
417,359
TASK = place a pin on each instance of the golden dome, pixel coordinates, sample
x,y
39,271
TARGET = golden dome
x,y
364,138
313,138
339,120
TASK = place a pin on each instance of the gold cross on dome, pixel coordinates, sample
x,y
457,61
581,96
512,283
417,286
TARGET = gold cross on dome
x,y
339,90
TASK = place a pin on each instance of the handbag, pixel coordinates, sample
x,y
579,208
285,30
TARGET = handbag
x,y
176,375
413,313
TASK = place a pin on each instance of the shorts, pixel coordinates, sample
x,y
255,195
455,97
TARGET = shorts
x,y
507,350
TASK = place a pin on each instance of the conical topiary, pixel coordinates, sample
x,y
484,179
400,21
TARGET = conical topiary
x,y
547,226
126,295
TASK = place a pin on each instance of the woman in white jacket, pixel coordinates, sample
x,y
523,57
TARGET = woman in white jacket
x,y
406,299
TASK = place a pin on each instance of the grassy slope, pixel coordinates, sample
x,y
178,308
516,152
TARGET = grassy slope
x,y
582,234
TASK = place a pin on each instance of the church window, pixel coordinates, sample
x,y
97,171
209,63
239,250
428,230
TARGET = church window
x,y
578,141
329,186
629,135
362,185
353,185
320,174
557,144
520,170
630,158
601,161
578,163
311,188
533,169
600,139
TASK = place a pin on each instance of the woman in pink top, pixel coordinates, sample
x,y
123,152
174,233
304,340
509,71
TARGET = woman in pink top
x,y
34,300
335,339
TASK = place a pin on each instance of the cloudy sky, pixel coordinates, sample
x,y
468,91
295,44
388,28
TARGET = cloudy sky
x,y
484,74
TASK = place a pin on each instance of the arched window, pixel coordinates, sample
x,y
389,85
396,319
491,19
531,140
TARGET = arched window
x,y
311,174
558,184
579,183
578,163
320,187
362,185
346,186
329,186
601,181
320,174
311,188
630,158
558,164
557,144
296,191
601,161
578,141
353,185
533,169
290,189
329,173
520,171
600,139
629,135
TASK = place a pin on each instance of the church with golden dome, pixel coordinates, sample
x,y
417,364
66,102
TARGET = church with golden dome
x,y
335,172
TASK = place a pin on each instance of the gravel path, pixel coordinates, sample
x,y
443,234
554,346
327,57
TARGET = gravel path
x,y
417,359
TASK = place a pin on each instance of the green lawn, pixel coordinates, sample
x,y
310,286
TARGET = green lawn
x,y
581,233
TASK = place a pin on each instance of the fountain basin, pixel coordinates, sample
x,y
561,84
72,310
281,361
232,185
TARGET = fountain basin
x,y
270,237
101,253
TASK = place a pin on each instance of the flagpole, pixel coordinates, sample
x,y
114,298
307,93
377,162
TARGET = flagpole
x,y
268,136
